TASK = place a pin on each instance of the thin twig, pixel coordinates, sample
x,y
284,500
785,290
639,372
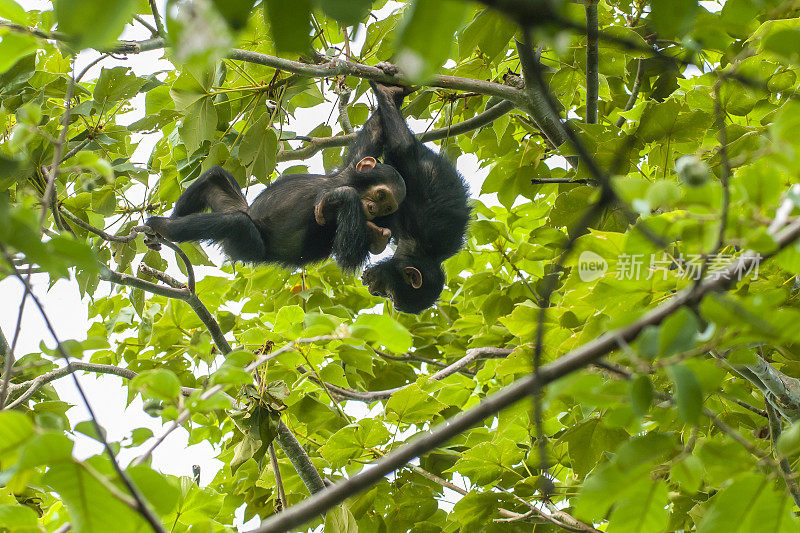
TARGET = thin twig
x,y
161,276
38,382
276,469
637,83
315,144
159,25
783,463
7,356
52,172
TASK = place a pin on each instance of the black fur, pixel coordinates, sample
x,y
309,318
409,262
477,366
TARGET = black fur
x,y
431,224
280,226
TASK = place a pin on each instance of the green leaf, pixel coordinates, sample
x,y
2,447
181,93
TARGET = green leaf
x,y
340,520
13,47
92,507
673,18
15,428
789,441
259,148
91,22
162,494
678,332
688,394
116,84
643,509
688,473
485,463
641,394
12,11
588,443
45,449
473,510
290,24
348,12
159,383
235,12
752,503
384,330
412,405
785,43
19,518
426,37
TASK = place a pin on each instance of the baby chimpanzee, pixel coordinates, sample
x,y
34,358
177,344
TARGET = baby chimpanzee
x,y
298,219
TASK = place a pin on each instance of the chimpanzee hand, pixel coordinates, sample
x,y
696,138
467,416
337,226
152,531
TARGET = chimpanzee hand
x,y
318,216
378,237
396,92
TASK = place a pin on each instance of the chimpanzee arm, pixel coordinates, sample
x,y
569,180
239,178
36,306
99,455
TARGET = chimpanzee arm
x,y
368,142
351,241
398,139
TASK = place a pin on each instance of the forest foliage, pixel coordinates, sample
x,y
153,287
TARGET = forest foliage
x,y
670,402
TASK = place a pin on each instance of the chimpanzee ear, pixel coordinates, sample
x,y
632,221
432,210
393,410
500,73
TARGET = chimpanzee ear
x,y
368,163
413,277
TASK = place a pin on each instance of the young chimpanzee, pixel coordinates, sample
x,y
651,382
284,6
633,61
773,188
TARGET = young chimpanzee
x,y
299,218
430,225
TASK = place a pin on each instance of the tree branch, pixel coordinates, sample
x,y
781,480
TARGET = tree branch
x,y
637,83
299,459
159,24
7,361
783,463
522,388
592,60
319,143
38,382
472,354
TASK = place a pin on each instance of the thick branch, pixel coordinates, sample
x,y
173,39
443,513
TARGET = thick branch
x,y
319,143
785,390
340,67
522,388
592,60
299,459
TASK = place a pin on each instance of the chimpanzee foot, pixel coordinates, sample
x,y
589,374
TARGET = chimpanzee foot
x,y
151,237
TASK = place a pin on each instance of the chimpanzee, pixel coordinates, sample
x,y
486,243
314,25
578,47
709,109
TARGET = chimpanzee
x,y
429,226
299,218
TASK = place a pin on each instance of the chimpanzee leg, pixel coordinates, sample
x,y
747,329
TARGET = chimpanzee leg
x,y
239,237
215,189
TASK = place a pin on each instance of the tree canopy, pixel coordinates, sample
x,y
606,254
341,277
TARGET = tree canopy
x,y
613,349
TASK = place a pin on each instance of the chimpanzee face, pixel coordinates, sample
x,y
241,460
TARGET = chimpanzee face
x,y
378,201
405,285
386,189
